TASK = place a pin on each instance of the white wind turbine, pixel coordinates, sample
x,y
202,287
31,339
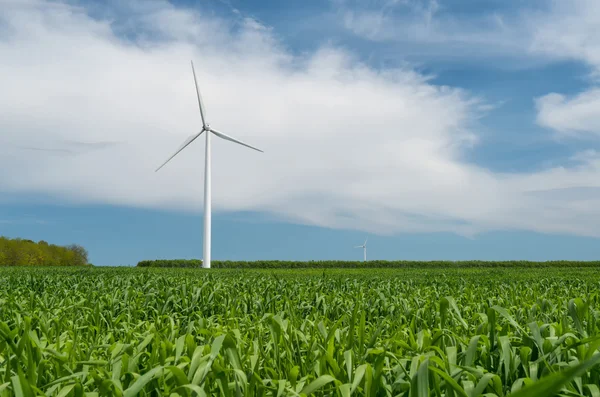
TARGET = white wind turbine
x,y
207,185
364,246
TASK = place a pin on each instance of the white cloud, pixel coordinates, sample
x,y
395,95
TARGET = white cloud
x,y
87,114
549,31
571,31
429,28
567,30
526,33
570,117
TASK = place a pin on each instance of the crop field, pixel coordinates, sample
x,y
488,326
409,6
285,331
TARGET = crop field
x,y
345,332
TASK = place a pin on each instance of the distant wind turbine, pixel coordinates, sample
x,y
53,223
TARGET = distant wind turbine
x,y
364,246
207,179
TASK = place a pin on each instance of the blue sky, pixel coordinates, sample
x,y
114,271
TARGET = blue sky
x,y
440,129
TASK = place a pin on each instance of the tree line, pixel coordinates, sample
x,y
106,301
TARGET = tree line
x,y
23,252
274,264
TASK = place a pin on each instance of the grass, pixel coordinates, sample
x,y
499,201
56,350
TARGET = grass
x,y
334,332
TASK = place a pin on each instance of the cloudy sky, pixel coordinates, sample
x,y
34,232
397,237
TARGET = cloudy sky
x,y
441,129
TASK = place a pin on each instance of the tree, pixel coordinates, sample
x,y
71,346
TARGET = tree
x,y
81,254
22,252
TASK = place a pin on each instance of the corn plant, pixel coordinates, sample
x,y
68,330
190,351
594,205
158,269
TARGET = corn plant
x,y
348,332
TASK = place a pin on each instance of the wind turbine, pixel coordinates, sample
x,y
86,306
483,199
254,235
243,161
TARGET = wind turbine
x,y
364,246
207,160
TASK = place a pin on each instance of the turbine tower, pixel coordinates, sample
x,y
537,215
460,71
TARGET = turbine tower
x,y
364,246
207,171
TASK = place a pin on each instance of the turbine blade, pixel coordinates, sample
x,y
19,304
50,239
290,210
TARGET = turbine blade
x,y
229,138
189,140
366,241
358,246
200,104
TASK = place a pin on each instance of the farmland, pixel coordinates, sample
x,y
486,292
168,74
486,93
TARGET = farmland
x,y
281,332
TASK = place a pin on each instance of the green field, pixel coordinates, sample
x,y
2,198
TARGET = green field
x,y
334,332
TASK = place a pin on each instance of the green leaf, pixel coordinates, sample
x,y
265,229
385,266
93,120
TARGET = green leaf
x,y
358,376
179,375
348,361
197,389
504,313
420,383
483,384
17,387
142,381
449,301
179,346
471,351
593,389
281,388
345,389
449,381
64,378
317,384
65,390
551,384
21,386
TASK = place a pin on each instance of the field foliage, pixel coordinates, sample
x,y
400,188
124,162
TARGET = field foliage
x,y
196,263
349,332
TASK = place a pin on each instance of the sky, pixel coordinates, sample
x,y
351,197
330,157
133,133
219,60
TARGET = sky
x,y
440,129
